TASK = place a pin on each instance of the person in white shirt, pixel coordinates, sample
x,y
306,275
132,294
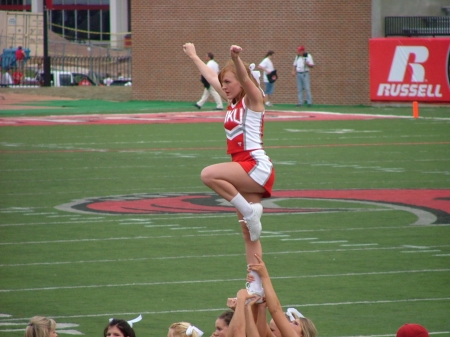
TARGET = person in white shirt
x,y
302,63
209,90
108,80
7,77
266,66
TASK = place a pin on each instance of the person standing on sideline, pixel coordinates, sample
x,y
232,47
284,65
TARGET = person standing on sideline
x,y
20,58
250,175
266,66
302,63
7,77
18,77
107,80
209,90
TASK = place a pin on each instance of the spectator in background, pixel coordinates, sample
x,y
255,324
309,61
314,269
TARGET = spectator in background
x,y
17,77
40,326
108,80
39,70
7,77
266,66
412,330
84,82
20,58
209,90
302,63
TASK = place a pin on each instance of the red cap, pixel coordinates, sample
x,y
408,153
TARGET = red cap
x,y
300,49
412,330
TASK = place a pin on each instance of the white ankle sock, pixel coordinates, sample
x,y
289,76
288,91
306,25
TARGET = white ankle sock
x,y
242,206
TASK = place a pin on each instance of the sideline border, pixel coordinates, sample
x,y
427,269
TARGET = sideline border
x,y
180,117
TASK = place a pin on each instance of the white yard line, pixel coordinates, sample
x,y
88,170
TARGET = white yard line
x,y
296,305
148,284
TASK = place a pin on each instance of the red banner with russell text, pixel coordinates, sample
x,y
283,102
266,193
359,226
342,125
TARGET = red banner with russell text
x,y
410,69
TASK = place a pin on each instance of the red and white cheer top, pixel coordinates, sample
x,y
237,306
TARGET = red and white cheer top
x,y
244,128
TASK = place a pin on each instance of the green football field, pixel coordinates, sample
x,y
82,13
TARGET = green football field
x,y
112,220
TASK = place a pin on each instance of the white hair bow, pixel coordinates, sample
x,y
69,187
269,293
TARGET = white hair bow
x,y
137,319
291,312
191,329
256,74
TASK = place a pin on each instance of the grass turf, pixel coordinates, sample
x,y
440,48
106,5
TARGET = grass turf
x,y
353,268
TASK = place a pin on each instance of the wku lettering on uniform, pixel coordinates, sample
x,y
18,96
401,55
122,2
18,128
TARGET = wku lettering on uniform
x,y
400,64
234,115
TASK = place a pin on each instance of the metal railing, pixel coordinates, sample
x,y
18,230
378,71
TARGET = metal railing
x,y
417,26
58,46
83,70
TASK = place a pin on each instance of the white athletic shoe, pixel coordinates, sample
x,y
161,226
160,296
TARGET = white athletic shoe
x,y
254,289
254,223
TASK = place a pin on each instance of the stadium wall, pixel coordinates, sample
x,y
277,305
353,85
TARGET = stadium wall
x,y
336,33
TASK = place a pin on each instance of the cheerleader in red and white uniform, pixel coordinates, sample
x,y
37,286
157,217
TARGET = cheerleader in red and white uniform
x,y
249,177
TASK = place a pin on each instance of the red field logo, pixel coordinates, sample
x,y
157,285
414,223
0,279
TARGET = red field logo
x,y
430,206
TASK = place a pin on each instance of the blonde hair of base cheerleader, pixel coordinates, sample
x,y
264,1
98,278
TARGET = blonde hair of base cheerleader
x,y
40,326
184,329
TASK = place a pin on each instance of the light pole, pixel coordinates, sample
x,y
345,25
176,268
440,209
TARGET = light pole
x,y
47,75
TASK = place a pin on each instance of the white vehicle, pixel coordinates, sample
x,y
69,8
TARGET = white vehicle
x,y
66,78
58,78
